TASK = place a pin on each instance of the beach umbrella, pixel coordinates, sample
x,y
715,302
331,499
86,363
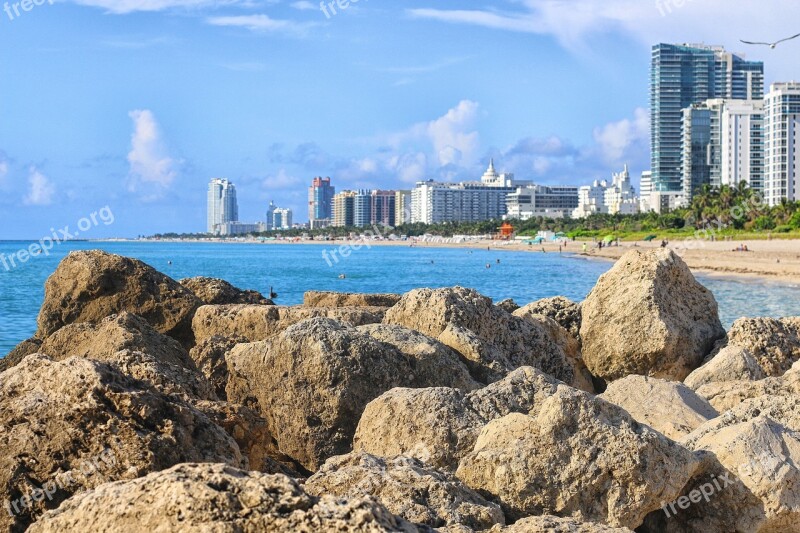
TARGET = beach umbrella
x,y
609,238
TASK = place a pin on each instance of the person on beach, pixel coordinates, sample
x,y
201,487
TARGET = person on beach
x,y
584,247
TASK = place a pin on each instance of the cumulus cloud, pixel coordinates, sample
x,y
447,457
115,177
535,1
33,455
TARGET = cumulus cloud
x,y
262,23
281,180
149,161
40,189
615,140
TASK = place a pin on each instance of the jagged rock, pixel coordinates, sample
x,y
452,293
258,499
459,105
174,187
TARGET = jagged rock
x,y
493,341
312,382
666,406
250,432
774,343
212,291
648,316
508,305
259,322
408,488
209,356
196,498
564,311
433,362
20,352
58,417
729,394
579,456
439,425
784,410
761,455
343,299
732,363
554,524
166,378
88,286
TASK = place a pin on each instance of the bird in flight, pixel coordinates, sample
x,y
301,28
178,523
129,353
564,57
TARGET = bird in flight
x,y
772,45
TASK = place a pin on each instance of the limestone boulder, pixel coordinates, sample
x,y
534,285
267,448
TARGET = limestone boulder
x,y
577,455
493,341
732,363
197,498
408,488
20,352
209,357
440,425
345,299
784,410
648,316
212,291
774,343
727,395
432,361
554,524
312,382
564,311
67,426
508,305
89,286
666,406
258,322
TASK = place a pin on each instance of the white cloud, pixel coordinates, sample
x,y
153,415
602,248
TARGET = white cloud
x,y
281,180
304,5
616,139
121,7
3,166
149,161
262,23
41,189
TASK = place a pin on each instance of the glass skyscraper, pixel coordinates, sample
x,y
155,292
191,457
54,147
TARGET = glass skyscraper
x,y
222,205
684,75
320,201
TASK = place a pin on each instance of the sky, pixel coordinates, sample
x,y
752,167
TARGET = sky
x,y
134,105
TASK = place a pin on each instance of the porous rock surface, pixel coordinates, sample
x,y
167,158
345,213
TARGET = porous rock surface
x,y
209,357
493,341
554,524
563,310
775,343
732,363
727,395
666,406
209,497
649,316
212,291
88,286
345,299
55,417
408,488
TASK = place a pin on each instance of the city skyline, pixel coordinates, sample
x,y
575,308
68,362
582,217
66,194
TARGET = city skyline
x,y
136,105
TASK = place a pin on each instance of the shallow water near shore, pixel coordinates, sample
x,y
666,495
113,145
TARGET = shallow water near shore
x,y
293,269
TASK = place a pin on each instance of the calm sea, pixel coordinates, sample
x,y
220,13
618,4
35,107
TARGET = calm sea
x,y
293,269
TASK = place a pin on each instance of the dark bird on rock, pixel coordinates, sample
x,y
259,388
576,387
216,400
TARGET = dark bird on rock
x,y
772,45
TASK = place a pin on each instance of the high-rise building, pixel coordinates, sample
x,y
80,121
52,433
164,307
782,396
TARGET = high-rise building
x,y
617,197
696,142
402,208
282,219
270,214
533,201
683,75
383,208
320,202
782,142
344,209
362,208
222,205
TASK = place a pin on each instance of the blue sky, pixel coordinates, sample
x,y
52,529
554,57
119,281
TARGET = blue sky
x,y
136,104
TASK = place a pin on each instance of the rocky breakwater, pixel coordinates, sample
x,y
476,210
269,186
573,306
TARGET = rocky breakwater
x,y
144,404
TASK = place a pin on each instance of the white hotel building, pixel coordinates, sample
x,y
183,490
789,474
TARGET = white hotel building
x,y
617,197
781,142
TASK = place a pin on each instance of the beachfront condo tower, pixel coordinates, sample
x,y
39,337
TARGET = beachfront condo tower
x,y
782,142
682,76
320,203
222,205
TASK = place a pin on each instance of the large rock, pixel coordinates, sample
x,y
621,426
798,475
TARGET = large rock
x,y
258,322
72,425
88,286
432,361
344,299
20,352
576,455
493,341
197,498
732,363
312,382
648,316
212,291
762,456
209,356
408,488
554,524
564,311
784,410
666,406
439,425
774,343
729,394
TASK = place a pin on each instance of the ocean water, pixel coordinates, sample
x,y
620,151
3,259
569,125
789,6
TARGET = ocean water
x,y
293,269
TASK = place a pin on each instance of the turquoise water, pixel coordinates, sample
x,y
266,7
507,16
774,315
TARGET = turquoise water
x,y
294,269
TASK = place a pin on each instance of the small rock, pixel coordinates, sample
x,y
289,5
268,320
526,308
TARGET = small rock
x,y
213,291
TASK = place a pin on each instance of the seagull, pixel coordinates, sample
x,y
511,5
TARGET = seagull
x,y
772,45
